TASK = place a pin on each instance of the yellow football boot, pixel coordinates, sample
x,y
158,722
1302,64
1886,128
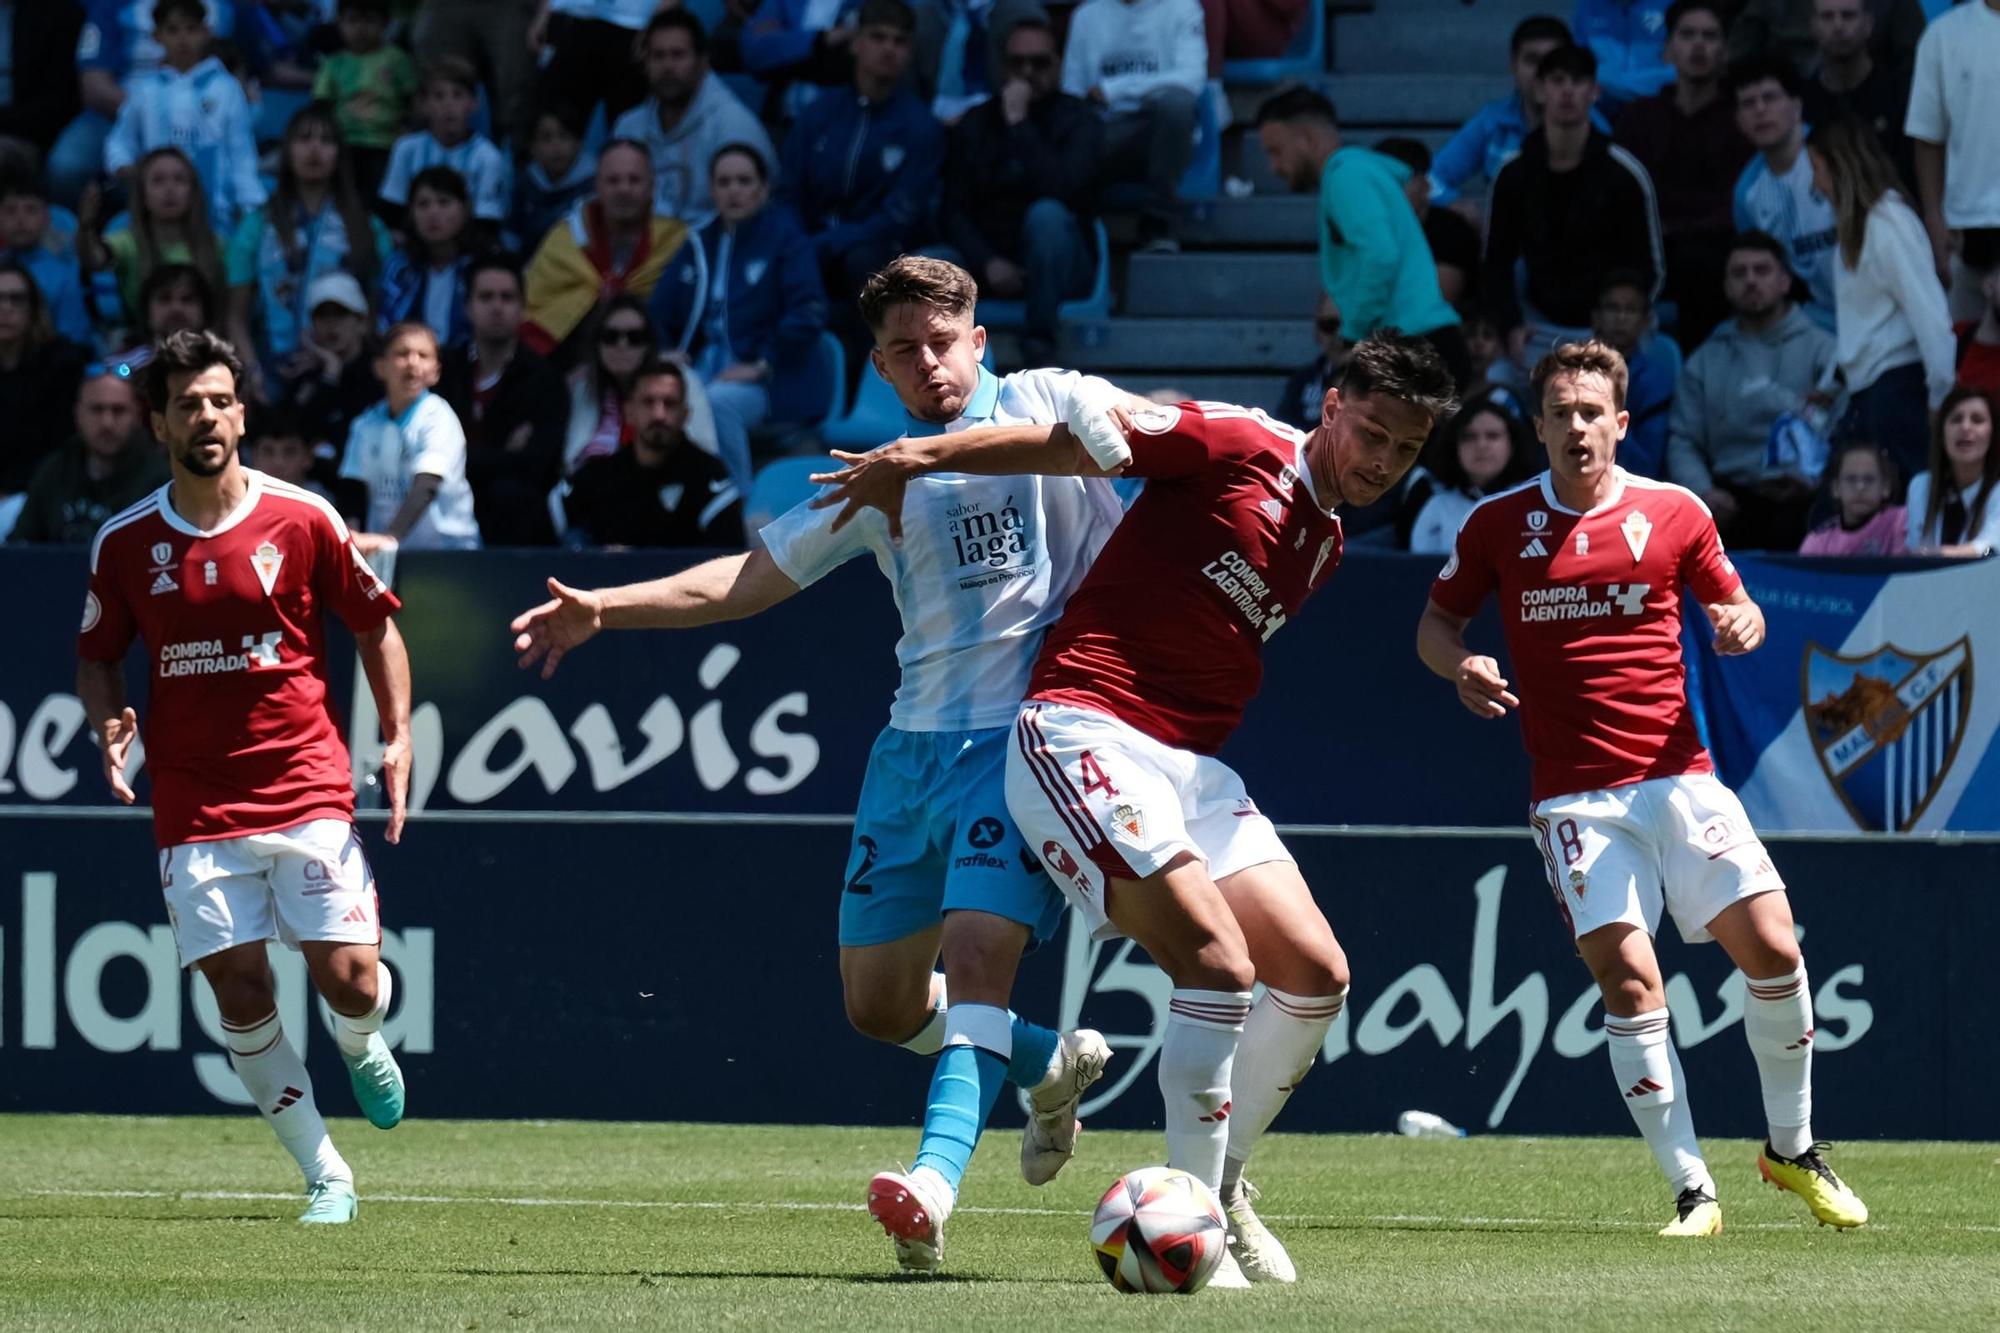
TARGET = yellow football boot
x,y
1809,1177
1696,1214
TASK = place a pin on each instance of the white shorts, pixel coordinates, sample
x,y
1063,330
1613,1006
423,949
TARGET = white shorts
x,y
307,882
1099,800
1622,853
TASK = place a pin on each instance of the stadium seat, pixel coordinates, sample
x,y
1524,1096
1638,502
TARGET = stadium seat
x,y
1306,60
778,486
1084,309
814,388
1203,179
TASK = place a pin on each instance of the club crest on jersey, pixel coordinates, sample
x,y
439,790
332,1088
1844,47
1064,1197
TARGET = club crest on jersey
x,y
265,560
1579,883
1636,528
93,611
1156,418
1538,520
1583,543
208,576
1129,820
1886,726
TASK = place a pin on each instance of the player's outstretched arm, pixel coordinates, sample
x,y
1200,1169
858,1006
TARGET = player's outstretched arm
x,y
1441,643
101,687
386,663
1738,622
877,479
733,587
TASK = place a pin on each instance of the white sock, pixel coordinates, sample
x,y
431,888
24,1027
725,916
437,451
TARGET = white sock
x,y
276,1079
1778,1022
1281,1041
1648,1069
930,1037
1195,1058
352,1034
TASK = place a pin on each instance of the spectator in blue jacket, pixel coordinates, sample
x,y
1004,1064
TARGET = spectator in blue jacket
x,y
26,239
558,174
763,307
115,45
1485,143
861,165
1629,39
425,280
1624,318
800,41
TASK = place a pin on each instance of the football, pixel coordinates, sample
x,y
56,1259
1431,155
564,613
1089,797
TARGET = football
x,y
1158,1230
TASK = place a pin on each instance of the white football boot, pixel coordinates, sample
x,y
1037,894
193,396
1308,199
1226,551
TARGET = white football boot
x,y
1260,1253
1049,1137
911,1209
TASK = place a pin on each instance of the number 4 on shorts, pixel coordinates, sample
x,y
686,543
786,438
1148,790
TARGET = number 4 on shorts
x,y
1093,776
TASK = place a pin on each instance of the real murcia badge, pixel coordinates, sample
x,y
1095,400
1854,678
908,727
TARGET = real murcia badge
x,y
265,560
1637,528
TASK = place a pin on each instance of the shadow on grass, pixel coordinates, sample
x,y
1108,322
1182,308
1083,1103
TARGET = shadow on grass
x,y
649,1276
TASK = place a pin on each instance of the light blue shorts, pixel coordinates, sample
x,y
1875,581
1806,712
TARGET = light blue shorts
x,y
932,835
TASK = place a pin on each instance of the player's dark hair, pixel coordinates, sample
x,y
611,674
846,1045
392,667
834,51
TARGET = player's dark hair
x,y
1767,65
495,261
937,283
1444,464
653,368
1579,62
1587,357
1680,9
188,352
749,150
887,14
1389,361
167,277
1615,278
676,20
185,9
1291,106
1410,152
1538,28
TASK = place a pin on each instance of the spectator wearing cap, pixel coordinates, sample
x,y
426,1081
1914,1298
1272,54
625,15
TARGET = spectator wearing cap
x,y
860,167
1020,187
1775,193
1572,207
330,381
1454,242
108,464
39,372
1687,138
1142,64
1954,121
659,489
1373,259
690,114
611,244
513,405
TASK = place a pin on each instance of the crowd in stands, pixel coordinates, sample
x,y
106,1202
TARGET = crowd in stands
x,y
562,271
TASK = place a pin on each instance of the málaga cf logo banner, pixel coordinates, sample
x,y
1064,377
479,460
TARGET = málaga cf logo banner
x,y
1873,705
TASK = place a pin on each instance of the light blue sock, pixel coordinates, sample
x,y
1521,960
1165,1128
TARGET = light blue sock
x,y
977,1047
1034,1048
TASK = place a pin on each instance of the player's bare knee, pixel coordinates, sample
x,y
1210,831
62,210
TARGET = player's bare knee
x,y
884,1015
244,992
1629,994
1220,965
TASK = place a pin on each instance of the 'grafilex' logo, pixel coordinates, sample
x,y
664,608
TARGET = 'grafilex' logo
x,y
1422,1000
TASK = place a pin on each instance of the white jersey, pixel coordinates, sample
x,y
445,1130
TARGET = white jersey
x,y
1800,216
985,565
386,453
489,181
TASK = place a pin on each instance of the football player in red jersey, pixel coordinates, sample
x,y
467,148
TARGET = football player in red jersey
x,y
1588,562
223,573
1114,777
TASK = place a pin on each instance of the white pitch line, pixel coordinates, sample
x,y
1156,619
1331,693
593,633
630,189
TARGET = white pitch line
x,y
803,1206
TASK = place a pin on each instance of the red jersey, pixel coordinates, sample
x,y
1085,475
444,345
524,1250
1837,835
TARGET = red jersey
x,y
239,731
1166,633
1591,606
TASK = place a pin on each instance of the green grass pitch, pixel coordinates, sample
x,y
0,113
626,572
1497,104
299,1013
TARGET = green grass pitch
x,y
187,1223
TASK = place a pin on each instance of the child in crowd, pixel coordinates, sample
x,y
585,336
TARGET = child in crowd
x,y
167,224
27,239
278,448
193,103
370,83
407,453
1863,478
425,280
559,173
450,95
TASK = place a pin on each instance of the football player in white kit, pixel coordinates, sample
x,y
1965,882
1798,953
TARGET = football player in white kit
x,y
980,566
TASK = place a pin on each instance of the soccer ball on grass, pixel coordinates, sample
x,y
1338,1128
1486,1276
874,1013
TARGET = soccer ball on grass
x,y
1158,1230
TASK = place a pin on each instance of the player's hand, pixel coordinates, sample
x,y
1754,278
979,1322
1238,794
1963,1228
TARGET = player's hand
x,y
874,480
570,618
118,735
1739,627
1482,689
396,777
